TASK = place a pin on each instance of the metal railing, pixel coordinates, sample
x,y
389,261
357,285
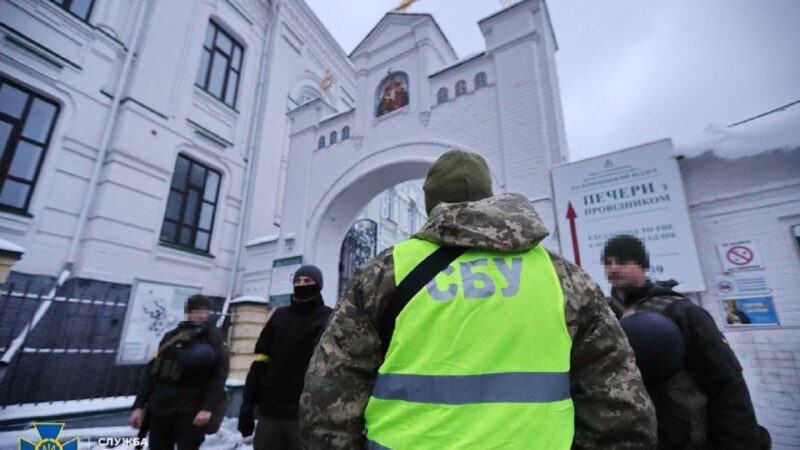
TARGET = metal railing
x,y
72,352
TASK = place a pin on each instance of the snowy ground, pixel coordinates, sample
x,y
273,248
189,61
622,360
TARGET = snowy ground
x,y
228,438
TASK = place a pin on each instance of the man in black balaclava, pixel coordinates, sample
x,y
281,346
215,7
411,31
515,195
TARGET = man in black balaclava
x,y
275,380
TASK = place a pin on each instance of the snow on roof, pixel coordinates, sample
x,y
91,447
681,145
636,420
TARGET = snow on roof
x,y
778,129
250,299
10,247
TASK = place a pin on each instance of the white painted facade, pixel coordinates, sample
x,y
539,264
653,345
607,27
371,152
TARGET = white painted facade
x,y
399,212
514,121
755,197
162,114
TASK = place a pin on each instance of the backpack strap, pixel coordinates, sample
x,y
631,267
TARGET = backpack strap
x,y
174,339
411,284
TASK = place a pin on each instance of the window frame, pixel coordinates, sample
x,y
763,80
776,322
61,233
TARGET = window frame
x,y
345,132
412,216
15,137
187,188
461,83
66,5
442,95
321,142
480,76
213,52
334,137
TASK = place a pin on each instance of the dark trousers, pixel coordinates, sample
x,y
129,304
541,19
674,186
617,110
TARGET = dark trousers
x,y
168,431
274,434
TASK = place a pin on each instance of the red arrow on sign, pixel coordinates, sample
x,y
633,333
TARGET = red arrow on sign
x,y
571,217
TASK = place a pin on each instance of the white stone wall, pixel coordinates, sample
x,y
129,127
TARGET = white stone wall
x,y
755,198
512,122
396,228
160,115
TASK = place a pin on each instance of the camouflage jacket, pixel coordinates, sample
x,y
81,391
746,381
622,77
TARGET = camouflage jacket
x,y
612,408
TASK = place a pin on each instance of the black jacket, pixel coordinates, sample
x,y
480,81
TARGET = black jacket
x,y
287,341
168,389
730,419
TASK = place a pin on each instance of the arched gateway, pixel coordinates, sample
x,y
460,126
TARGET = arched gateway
x,y
401,124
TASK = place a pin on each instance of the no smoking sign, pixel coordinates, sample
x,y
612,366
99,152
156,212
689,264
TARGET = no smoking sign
x,y
741,255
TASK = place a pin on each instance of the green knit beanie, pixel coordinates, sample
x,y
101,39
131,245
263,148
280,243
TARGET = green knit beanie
x,y
457,176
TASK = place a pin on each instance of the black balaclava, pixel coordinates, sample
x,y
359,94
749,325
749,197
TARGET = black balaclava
x,y
310,291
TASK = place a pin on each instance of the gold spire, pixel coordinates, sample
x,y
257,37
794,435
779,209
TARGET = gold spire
x,y
404,5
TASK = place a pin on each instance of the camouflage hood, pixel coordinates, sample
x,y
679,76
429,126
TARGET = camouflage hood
x,y
506,223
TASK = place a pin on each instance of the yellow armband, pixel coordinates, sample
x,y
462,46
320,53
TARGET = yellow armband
x,y
260,357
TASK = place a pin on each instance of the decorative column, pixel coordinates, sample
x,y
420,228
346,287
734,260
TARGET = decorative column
x,y
248,316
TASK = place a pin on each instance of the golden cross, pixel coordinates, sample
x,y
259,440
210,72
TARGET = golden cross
x,y
404,5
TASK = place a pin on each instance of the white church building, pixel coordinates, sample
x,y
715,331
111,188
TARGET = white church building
x,y
154,149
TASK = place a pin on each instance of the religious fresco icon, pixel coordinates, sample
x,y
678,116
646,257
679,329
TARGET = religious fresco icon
x,y
393,93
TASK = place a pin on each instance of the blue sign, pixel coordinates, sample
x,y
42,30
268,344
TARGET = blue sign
x,y
750,311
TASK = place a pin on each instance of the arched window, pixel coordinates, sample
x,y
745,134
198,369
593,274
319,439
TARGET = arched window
x,y
345,132
480,80
392,93
441,96
321,142
333,138
461,88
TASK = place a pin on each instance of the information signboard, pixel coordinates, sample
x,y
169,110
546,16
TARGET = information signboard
x,y
282,281
636,191
154,309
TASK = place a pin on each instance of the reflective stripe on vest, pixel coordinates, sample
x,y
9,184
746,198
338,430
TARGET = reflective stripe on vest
x,y
479,358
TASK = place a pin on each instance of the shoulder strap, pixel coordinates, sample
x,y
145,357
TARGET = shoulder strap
x,y
173,340
411,284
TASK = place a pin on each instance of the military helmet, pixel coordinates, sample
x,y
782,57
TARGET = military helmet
x,y
196,359
657,343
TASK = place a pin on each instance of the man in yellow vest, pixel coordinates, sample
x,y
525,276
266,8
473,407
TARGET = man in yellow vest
x,y
470,335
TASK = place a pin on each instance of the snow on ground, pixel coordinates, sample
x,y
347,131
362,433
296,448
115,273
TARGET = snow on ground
x,y
776,130
227,438
34,410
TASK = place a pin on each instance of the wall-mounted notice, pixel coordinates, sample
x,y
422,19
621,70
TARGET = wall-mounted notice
x,y
282,282
637,191
739,255
154,309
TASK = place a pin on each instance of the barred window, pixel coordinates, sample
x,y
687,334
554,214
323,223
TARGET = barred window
x,y
81,9
26,126
191,205
220,65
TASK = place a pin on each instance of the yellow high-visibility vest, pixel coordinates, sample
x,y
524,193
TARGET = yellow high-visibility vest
x,y
479,358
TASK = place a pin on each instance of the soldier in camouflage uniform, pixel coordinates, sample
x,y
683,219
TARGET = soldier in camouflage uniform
x,y
612,408
707,404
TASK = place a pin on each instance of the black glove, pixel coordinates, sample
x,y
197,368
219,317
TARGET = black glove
x,y
247,422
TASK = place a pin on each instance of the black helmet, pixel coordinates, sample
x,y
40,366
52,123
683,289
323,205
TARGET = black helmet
x,y
657,343
196,359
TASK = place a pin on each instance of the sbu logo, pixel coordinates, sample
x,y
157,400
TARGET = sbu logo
x,y
48,438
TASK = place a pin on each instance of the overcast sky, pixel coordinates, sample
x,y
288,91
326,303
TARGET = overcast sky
x,y
634,71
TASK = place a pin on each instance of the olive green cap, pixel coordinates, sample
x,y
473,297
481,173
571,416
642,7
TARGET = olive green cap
x,y
457,176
